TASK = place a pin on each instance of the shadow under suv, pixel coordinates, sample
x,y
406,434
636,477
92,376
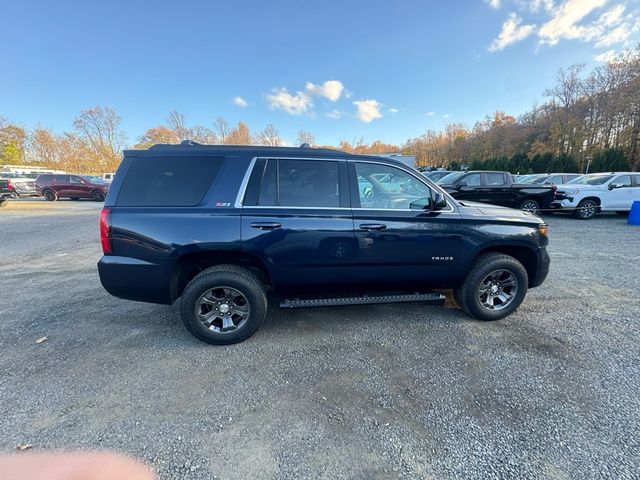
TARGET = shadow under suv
x,y
220,226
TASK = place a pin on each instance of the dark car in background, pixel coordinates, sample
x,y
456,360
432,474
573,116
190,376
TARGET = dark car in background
x,y
497,188
55,186
436,175
6,192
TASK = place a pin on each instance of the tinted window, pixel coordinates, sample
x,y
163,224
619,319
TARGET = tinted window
x,y
157,181
61,179
74,179
45,179
268,192
307,183
382,186
625,180
495,179
472,180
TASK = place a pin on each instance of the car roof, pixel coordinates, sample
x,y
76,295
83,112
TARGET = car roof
x,y
255,151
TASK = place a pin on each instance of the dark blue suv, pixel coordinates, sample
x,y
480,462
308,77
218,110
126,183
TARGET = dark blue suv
x,y
221,227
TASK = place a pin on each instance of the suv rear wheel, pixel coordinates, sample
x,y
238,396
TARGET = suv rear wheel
x,y
223,305
50,195
494,288
97,195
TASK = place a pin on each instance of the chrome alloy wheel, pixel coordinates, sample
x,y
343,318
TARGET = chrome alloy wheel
x,y
588,209
222,309
498,289
530,206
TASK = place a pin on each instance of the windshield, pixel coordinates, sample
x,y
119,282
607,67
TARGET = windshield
x,y
452,177
594,179
529,178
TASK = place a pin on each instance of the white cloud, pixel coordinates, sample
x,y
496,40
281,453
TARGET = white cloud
x,y
564,24
337,114
281,99
393,111
446,115
368,110
616,35
511,32
493,3
537,5
607,56
430,114
331,89
239,102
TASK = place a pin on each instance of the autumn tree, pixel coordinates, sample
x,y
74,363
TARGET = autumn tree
x,y
12,142
240,135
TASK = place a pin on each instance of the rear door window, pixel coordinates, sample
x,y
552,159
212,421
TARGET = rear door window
x,y
494,179
168,181
472,180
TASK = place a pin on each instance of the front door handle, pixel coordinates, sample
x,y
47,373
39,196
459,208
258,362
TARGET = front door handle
x,y
266,225
372,227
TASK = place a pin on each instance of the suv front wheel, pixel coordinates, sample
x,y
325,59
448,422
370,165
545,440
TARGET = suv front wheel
x,y
223,304
494,288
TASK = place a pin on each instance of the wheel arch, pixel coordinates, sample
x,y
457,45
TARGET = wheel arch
x,y
527,256
190,264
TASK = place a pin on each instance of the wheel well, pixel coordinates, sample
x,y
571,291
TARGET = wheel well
x,y
596,199
189,265
526,256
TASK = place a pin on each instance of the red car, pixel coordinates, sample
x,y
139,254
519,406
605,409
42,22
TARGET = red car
x,y
53,187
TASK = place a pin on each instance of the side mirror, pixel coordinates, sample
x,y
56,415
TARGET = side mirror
x,y
461,184
615,185
437,202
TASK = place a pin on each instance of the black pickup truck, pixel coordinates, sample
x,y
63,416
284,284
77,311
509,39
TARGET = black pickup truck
x,y
497,188
6,192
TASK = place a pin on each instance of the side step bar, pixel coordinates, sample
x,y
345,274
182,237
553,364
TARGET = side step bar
x,y
362,300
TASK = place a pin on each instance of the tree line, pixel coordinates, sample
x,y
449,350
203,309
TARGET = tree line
x,y
588,118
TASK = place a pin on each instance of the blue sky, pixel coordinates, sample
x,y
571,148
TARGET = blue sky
x,y
394,68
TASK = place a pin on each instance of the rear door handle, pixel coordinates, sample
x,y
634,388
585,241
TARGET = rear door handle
x,y
266,225
372,227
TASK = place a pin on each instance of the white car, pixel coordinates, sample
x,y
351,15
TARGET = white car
x,y
599,192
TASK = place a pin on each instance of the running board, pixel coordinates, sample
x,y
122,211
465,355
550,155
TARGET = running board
x,y
362,300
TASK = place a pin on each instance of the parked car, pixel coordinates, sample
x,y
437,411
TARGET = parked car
x,y
436,175
554,178
497,188
528,178
6,192
53,187
219,226
108,177
22,185
599,192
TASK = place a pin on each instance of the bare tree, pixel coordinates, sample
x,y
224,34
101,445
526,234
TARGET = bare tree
x,y
99,128
43,146
222,129
270,136
306,137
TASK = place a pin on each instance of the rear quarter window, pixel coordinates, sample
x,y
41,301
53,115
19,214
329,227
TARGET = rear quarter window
x,y
168,181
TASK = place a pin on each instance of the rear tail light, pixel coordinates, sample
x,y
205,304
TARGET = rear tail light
x,y
105,231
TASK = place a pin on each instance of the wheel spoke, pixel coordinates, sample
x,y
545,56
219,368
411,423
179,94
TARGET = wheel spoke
x,y
227,323
222,309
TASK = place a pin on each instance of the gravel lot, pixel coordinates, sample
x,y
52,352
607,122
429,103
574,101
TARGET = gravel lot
x,y
354,392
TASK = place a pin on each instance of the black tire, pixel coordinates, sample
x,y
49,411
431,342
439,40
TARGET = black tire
x,y
530,205
218,277
14,195
50,195
623,213
98,195
3,203
586,209
467,295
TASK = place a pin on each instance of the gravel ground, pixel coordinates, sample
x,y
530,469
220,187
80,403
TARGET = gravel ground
x,y
401,390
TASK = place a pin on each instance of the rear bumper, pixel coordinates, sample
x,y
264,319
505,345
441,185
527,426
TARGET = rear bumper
x,y
134,279
544,262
